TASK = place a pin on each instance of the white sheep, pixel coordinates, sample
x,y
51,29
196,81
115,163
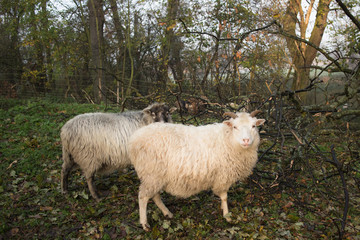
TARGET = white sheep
x,y
184,160
97,142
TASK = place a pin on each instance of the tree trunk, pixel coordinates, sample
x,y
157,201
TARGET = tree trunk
x,y
120,38
48,70
211,62
303,55
96,23
16,68
171,49
36,68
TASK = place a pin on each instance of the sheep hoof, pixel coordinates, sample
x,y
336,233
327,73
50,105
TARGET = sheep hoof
x,y
169,215
98,199
146,227
228,219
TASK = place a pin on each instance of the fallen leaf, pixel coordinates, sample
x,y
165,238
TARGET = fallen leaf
x,y
14,231
48,208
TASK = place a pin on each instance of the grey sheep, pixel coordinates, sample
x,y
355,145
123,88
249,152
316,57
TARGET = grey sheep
x,y
97,142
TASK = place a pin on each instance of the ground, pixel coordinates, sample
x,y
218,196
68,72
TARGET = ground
x,y
289,204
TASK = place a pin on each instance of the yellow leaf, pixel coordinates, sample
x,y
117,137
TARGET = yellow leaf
x,y
171,27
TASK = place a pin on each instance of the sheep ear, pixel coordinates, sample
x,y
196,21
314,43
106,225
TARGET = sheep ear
x,y
259,122
229,123
148,111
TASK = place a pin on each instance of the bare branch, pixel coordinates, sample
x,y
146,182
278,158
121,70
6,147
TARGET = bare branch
x,y
338,166
240,39
348,13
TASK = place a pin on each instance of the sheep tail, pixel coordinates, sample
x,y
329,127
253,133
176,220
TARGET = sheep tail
x,y
66,168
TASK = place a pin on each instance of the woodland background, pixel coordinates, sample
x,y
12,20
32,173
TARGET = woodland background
x,y
297,61
117,51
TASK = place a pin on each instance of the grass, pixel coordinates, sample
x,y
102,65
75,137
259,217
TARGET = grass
x,y
32,206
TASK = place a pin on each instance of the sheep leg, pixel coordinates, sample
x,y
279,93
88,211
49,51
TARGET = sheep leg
x,y
65,170
224,205
143,200
91,186
161,205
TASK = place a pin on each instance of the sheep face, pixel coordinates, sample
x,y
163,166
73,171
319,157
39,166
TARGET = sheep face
x,y
158,112
243,129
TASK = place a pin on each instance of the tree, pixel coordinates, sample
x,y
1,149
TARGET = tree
x,y
39,50
174,46
96,24
171,46
120,42
295,20
11,65
27,42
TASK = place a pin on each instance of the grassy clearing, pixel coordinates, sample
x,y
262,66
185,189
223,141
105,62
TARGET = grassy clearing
x,y
33,207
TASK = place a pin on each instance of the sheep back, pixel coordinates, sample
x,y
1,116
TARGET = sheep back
x,y
184,160
97,141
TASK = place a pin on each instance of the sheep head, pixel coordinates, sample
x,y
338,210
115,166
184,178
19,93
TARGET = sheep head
x,y
159,112
243,128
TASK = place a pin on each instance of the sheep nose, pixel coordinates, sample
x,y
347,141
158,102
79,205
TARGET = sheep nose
x,y
246,142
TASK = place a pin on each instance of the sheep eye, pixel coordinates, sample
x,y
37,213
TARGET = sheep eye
x,y
253,126
235,127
